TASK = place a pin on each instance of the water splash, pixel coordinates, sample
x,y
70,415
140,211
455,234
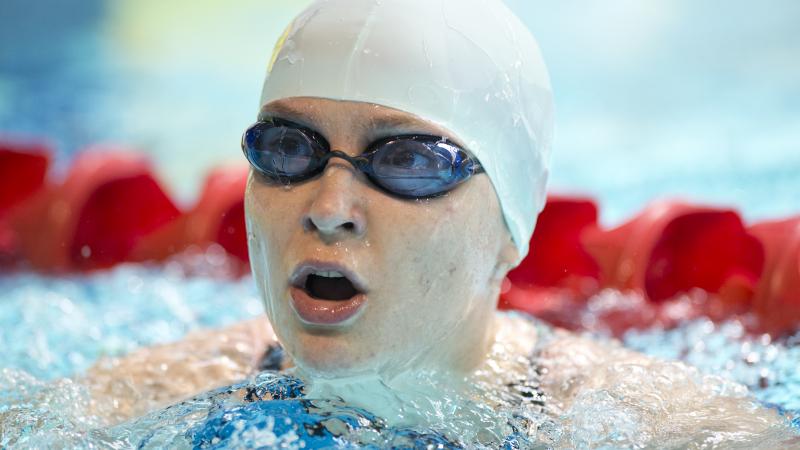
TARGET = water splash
x,y
511,403
56,327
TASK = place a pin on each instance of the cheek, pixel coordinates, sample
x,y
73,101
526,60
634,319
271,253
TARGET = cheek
x,y
270,218
463,245
261,233
268,228
445,259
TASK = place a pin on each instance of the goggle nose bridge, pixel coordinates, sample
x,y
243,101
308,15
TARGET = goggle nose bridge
x,y
361,163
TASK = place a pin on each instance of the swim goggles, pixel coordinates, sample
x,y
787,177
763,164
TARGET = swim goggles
x,y
408,166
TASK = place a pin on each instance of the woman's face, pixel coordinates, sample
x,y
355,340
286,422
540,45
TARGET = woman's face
x,y
427,271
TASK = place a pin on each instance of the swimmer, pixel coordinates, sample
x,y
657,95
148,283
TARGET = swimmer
x,y
398,163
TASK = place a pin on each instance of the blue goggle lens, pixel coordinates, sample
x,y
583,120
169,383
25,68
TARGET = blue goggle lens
x,y
279,151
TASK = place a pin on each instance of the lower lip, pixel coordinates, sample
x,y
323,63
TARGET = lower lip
x,y
325,312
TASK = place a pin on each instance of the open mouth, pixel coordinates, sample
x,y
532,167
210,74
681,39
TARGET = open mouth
x,y
326,294
329,286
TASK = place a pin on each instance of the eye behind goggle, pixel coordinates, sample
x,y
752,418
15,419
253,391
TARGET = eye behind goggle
x,y
410,166
283,150
419,166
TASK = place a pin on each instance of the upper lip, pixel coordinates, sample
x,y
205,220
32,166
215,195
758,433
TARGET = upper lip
x,y
306,268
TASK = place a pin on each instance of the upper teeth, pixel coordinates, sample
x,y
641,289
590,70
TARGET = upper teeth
x,y
329,274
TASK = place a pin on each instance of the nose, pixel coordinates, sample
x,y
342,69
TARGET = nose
x,y
336,210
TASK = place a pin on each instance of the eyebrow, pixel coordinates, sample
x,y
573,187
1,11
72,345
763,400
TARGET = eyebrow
x,y
376,124
284,111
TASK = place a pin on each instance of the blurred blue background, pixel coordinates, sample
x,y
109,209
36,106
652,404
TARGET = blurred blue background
x,y
654,99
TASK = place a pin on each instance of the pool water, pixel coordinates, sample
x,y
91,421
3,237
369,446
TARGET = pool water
x,y
54,327
50,332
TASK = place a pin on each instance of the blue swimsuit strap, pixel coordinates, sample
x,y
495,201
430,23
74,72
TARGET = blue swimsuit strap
x,y
273,359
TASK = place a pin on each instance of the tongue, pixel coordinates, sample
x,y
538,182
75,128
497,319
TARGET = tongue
x,y
330,288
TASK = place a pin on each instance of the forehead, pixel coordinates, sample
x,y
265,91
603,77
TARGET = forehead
x,y
366,118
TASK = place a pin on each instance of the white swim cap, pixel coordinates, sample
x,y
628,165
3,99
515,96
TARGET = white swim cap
x,y
469,65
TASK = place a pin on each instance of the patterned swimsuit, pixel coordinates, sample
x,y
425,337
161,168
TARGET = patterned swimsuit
x,y
272,409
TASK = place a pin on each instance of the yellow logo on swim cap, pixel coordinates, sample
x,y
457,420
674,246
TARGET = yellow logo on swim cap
x,y
279,46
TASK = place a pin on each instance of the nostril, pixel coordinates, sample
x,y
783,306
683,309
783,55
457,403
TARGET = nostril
x,y
308,224
349,226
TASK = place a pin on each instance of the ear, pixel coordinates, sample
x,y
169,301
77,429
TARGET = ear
x,y
507,259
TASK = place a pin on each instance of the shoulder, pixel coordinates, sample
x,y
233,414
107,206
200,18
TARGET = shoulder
x,y
152,377
585,377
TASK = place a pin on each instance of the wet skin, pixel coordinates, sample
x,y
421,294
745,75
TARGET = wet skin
x,y
431,268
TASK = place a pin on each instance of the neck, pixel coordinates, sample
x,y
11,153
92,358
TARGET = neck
x,y
433,398
414,399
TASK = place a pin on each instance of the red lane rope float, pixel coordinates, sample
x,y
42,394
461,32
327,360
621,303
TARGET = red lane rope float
x,y
673,247
558,274
709,250
108,202
777,299
217,217
23,168
669,249
557,257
